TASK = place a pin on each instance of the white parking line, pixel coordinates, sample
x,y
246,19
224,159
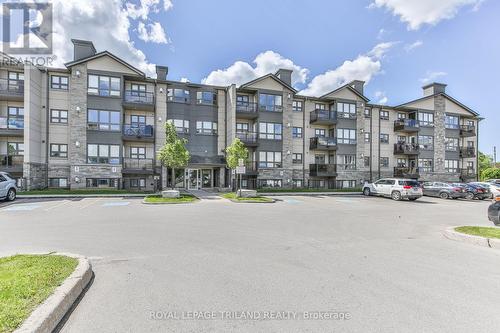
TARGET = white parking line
x,y
64,202
90,202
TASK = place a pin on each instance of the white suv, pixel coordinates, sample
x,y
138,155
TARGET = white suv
x,y
395,188
7,187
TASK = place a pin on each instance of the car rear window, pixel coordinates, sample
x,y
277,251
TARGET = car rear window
x,y
412,183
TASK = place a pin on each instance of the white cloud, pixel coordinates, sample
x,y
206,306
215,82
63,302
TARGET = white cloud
x,y
419,12
184,79
432,76
143,9
153,32
381,97
364,68
414,45
266,62
167,4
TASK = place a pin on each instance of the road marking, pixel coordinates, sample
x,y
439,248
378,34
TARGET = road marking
x,y
293,201
116,203
14,208
64,202
90,202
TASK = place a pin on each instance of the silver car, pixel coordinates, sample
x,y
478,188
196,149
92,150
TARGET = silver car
x,y
8,189
394,188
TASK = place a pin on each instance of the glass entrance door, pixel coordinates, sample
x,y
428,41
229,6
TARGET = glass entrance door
x,y
193,179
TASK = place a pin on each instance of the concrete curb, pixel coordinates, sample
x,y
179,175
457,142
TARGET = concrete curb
x,y
171,203
287,194
450,233
252,201
46,317
69,196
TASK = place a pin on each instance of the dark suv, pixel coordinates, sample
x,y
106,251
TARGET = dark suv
x,y
443,190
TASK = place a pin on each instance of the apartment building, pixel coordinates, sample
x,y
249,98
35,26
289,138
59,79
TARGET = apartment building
x,y
99,122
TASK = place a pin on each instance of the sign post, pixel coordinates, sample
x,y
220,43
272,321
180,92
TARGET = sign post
x,y
240,170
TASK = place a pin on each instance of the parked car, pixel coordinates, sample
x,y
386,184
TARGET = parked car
x,y
394,188
492,186
474,191
494,211
8,188
443,190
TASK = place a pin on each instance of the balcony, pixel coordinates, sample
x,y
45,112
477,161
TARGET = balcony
x,y
346,115
138,166
138,133
251,169
467,130
467,175
322,143
246,110
406,149
248,138
270,108
406,125
466,152
11,126
138,100
323,117
322,170
11,90
405,172
11,163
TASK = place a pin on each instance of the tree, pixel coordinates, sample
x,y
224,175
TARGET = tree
x,y
490,173
235,152
485,162
174,153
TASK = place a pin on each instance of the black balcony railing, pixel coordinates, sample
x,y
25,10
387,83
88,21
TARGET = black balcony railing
x,y
467,174
406,172
251,168
11,122
323,116
138,163
346,115
246,107
467,130
247,137
270,108
467,152
12,87
138,97
404,148
138,131
406,125
322,170
321,142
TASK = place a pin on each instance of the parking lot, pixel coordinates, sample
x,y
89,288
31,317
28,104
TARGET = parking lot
x,y
384,262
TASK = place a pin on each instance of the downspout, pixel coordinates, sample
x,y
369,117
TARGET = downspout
x,y
303,142
379,123
47,115
371,144
478,176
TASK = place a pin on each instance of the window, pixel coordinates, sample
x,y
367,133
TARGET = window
x,y
470,165
297,158
401,162
319,132
384,138
270,103
269,183
59,116
58,182
346,110
58,150
103,120
104,85
137,182
451,144
346,136
368,113
59,82
366,161
15,117
297,183
425,164
297,132
242,99
206,127
384,115
137,89
103,154
346,183
319,159
346,162
102,182
270,159
138,152
137,121
178,95
401,139
367,136
16,81
181,126
426,119
270,131
319,106
15,148
384,162
297,106
206,97
451,122
451,165
426,142
401,115
242,127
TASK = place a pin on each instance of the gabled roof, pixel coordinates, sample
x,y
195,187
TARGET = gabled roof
x,y
245,85
348,86
446,96
102,54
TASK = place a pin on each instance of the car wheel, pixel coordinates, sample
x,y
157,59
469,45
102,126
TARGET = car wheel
x,y
469,196
396,195
366,191
11,195
481,198
444,195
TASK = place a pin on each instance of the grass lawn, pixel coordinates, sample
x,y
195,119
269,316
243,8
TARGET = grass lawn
x,y
26,281
312,190
82,191
185,198
488,232
232,196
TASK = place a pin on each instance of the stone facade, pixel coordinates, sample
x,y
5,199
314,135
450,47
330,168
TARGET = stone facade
x,y
35,175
